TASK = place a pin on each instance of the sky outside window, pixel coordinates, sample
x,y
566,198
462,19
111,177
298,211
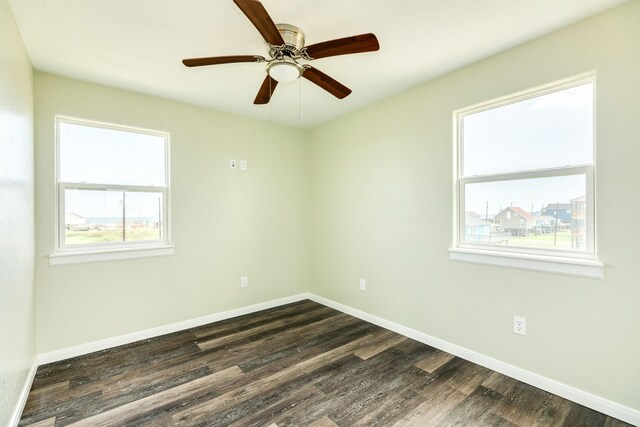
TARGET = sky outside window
x,y
553,130
99,155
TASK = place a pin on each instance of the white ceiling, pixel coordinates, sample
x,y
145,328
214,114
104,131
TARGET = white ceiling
x,y
138,45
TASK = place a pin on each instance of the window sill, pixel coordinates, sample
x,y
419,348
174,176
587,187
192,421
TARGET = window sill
x,y
81,257
572,267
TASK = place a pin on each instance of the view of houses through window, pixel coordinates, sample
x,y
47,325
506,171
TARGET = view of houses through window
x,y
545,213
554,225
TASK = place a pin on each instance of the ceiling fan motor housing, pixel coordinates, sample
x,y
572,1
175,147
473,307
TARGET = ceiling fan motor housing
x,y
293,41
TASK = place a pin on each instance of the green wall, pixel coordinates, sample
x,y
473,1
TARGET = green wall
x,y
381,208
225,223
17,306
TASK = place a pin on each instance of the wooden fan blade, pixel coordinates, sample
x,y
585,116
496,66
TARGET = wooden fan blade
x,y
217,60
332,86
354,44
266,90
259,17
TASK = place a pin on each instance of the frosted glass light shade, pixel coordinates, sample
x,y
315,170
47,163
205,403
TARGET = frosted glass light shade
x,y
284,72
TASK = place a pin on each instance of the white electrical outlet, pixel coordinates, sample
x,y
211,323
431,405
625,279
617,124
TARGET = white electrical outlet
x,y
363,285
243,165
232,164
519,325
244,281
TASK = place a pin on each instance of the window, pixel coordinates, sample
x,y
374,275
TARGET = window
x,y
525,168
112,186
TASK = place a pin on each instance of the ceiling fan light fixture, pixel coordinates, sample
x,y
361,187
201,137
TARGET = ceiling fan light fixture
x,y
284,70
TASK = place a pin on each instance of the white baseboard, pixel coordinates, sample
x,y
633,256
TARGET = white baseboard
x,y
584,398
24,394
79,350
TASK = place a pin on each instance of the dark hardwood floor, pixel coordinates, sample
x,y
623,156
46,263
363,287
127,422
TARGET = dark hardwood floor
x,y
302,364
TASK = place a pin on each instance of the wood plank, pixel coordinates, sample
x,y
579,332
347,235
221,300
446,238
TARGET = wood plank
x,y
584,417
278,403
45,396
153,419
367,404
312,410
462,375
264,330
268,407
111,362
491,419
522,404
379,344
362,392
155,401
434,360
221,341
324,422
613,422
62,408
552,412
440,399
500,383
473,407
252,320
391,410
361,374
49,422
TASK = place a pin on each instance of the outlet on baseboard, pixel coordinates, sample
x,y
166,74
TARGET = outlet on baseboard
x,y
363,285
519,325
244,281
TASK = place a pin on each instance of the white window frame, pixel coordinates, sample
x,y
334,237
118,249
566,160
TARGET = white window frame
x,y
578,263
108,251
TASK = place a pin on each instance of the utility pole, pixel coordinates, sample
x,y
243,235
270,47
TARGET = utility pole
x,y
555,229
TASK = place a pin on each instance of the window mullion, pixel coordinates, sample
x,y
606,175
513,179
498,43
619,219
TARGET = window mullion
x,y
539,173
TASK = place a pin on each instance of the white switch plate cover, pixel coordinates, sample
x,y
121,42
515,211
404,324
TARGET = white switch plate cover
x,y
232,164
244,281
243,165
363,285
519,325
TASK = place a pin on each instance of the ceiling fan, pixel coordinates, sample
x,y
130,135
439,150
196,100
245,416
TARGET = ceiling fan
x,y
286,49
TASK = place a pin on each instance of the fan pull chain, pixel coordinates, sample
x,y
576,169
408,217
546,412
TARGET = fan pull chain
x,y
270,93
299,99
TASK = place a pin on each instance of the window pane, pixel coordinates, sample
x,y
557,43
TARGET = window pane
x,y
107,156
93,216
96,216
552,130
542,213
143,216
